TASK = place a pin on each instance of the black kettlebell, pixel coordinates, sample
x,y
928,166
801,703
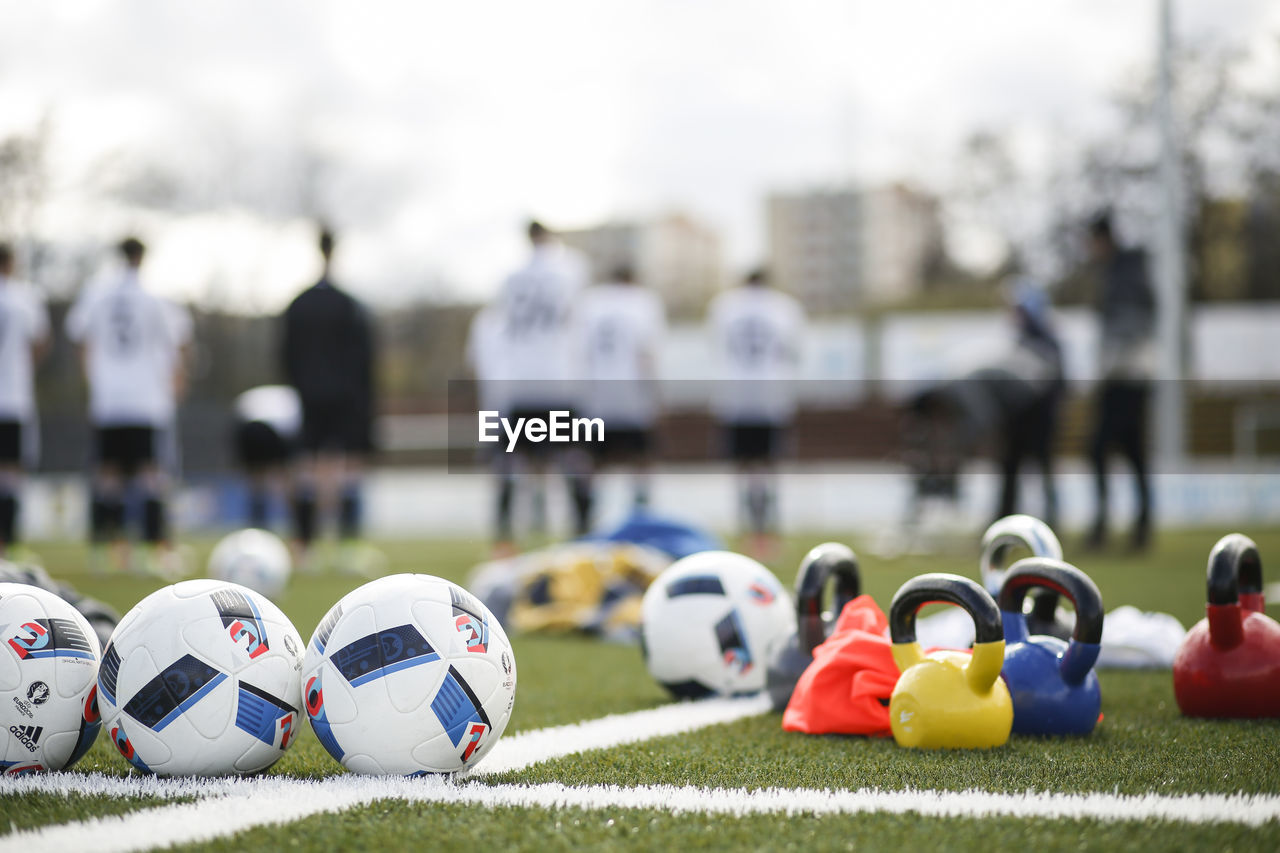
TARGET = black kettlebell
x,y
829,561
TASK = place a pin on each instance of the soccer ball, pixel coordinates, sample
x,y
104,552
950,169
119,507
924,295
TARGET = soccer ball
x,y
254,558
201,678
48,662
711,621
409,674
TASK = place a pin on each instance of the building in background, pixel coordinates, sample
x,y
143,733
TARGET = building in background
x,y
676,255
845,249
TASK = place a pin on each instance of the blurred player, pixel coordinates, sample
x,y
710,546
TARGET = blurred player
x,y
620,326
134,348
533,313
1126,312
327,350
24,338
268,421
757,333
1030,417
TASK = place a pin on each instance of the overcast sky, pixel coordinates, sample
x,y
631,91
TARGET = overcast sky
x,y
438,128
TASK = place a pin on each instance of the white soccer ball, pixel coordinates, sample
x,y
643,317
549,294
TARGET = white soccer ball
x,y
409,674
48,665
711,621
255,558
201,678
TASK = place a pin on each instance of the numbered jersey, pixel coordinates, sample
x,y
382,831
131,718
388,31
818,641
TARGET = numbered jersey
x,y
24,322
133,341
618,333
534,313
757,333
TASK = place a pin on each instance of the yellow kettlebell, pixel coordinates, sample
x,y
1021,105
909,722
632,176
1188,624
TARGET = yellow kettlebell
x,y
948,699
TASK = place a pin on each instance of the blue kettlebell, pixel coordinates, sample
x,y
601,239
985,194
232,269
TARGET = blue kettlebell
x,y
1054,688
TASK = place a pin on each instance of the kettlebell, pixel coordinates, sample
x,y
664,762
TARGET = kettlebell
x,y
1054,688
824,563
1229,663
948,699
1037,537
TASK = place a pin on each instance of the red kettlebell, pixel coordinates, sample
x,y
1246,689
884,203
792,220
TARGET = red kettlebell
x,y
1229,664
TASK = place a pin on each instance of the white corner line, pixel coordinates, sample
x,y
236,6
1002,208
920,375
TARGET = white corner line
x,y
229,805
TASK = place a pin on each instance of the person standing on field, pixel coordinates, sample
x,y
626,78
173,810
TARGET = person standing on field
x,y
327,353
757,333
533,324
620,325
134,349
268,419
24,339
1127,315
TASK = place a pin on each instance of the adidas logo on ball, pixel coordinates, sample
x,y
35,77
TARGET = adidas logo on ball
x,y
29,735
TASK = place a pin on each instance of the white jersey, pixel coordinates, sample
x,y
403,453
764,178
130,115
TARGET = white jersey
x,y
757,334
618,335
277,406
535,311
133,342
24,322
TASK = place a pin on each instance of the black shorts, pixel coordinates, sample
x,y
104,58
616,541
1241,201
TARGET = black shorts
x,y
128,448
259,446
10,442
623,443
335,427
753,442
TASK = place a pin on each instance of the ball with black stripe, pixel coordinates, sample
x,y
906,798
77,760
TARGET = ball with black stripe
x,y
409,674
202,678
710,623
49,658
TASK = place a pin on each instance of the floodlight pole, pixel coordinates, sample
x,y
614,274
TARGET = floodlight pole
x,y
1170,268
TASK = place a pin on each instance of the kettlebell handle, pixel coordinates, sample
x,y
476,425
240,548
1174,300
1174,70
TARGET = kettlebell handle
x,y
1064,579
940,587
1080,590
983,668
1235,570
824,562
1010,532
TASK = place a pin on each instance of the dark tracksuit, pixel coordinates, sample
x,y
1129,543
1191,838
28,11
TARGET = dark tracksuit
x,y
327,352
1126,312
1030,429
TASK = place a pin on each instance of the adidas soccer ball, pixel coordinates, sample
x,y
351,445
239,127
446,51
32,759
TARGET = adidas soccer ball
x,y
409,674
202,678
710,623
48,662
254,558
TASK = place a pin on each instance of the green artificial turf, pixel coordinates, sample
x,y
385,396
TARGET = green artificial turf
x,y
1143,744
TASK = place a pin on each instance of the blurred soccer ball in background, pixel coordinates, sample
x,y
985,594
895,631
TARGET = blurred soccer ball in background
x,y
202,678
49,659
409,674
710,623
254,558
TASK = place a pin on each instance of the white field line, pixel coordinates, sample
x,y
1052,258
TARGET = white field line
x,y
279,801
241,804
533,747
